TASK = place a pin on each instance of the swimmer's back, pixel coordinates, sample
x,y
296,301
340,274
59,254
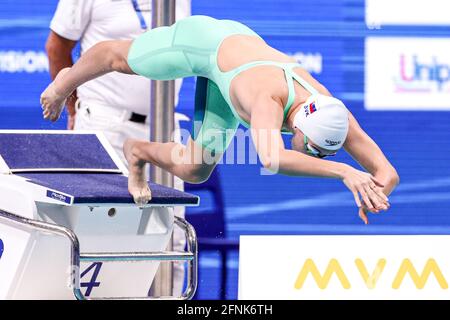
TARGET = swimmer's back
x,y
186,48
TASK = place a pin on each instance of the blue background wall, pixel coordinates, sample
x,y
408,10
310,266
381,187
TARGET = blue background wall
x,y
417,143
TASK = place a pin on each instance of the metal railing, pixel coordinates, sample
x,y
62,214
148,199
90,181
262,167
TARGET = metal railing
x,y
190,256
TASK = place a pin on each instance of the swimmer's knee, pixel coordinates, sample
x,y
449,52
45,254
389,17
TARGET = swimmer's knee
x,y
197,174
118,50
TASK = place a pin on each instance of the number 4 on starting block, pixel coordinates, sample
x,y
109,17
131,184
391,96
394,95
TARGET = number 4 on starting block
x,y
1,248
92,283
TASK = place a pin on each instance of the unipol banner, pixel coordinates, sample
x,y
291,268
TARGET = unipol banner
x,y
344,267
407,73
407,12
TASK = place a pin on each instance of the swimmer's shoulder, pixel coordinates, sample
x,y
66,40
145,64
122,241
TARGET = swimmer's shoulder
x,y
306,75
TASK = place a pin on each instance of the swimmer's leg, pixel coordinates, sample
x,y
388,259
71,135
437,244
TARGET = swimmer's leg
x,y
102,58
153,55
192,163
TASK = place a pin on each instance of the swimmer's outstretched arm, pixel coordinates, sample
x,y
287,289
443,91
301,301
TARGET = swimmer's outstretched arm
x,y
104,57
276,158
367,153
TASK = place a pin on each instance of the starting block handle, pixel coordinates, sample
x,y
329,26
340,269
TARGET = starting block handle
x,y
192,246
136,256
191,255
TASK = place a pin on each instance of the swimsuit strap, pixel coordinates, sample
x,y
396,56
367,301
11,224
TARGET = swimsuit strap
x,y
291,96
252,64
289,74
302,81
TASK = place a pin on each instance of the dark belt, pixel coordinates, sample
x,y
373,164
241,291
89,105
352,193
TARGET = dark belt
x,y
136,117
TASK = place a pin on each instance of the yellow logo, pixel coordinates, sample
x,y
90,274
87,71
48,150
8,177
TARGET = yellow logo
x,y
406,267
322,281
430,267
370,281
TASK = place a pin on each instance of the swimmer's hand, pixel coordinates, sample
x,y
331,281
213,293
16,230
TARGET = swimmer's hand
x,y
53,103
367,191
362,212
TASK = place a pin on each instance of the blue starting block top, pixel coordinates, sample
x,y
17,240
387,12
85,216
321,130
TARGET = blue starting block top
x,y
81,165
50,151
105,188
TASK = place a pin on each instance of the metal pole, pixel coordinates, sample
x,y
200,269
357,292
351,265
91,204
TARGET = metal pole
x,y
162,126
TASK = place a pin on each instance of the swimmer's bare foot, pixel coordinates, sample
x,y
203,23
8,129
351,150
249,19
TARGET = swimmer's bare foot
x,y
137,184
51,101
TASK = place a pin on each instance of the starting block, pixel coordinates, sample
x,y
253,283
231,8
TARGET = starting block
x,y
70,229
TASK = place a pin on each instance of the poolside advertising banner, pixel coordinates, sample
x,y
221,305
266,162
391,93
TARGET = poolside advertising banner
x,y
407,12
403,73
351,267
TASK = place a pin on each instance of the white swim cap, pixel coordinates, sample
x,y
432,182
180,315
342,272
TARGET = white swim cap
x,y
324,120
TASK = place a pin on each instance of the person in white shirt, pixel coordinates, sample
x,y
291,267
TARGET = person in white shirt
x,y
116,104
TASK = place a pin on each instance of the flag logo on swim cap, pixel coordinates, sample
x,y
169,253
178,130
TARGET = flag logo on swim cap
x,y
324,120
310,109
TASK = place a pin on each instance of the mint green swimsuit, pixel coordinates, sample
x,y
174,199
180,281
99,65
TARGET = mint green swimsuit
x,y
189,48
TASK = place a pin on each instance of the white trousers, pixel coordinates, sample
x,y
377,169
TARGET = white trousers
x,y
115,125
